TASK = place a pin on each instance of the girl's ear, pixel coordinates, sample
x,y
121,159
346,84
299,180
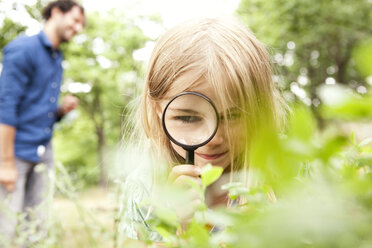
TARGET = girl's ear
x,y
155,105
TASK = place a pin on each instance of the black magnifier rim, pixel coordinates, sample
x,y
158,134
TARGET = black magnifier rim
x,y
188,147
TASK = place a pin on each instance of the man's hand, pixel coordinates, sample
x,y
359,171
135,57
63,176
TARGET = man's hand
x,y
8,170
69,103
8,174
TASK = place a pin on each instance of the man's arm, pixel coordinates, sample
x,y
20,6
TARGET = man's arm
x,y
8,170
15,75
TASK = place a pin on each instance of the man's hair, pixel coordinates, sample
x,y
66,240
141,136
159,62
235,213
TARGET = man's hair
x,y
63,5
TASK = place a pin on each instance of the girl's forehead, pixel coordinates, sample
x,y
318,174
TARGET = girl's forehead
x,y
205,88
191,83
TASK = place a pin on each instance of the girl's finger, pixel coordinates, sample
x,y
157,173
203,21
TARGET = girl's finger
x,y
184,169
187,180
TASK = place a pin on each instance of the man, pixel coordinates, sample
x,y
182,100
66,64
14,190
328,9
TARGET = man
x,y
29,89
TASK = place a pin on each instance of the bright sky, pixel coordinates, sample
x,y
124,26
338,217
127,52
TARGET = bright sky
x,y
172,11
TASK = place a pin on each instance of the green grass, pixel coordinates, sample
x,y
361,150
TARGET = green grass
x,y
90,222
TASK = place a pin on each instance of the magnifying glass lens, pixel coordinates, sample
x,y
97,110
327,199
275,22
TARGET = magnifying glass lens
x,y
190,119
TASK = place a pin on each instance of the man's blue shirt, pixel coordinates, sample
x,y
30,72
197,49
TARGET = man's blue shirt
x,y
29,89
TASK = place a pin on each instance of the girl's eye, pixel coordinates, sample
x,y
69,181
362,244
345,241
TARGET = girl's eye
x,y
231,117
188,118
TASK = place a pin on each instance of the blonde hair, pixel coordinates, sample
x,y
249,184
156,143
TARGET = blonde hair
x,y
226,55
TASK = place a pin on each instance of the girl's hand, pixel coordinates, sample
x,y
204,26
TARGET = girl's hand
x,y
187,176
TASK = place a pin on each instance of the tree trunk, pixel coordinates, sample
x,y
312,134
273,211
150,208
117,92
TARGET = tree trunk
x,y
103,179
313,76
96,113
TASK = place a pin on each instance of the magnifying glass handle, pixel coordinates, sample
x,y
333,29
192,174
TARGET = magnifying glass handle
x,y
189,156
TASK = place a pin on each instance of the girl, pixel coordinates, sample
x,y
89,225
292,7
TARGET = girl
x,y
221,59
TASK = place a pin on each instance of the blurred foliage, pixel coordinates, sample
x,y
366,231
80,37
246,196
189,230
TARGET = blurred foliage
x,y
79,153
353,107
313,41
363,58
9,30
314,190
35,10
101,58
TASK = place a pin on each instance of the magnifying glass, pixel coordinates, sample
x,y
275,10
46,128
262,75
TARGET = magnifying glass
x,y
190,120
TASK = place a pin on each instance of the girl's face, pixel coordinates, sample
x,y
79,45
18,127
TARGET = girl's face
x,y
218,151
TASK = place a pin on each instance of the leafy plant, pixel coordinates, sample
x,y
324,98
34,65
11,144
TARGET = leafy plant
x,y
314,190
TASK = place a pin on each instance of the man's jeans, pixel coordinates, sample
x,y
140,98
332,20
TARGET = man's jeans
x,y
25,202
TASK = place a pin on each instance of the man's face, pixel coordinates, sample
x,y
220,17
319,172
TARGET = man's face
x,y
69,24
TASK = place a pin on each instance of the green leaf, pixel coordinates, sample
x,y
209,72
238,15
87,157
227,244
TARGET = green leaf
x,y
210,174
197,234
163,232
302,124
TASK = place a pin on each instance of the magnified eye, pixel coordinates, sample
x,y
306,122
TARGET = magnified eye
x,y
188,118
